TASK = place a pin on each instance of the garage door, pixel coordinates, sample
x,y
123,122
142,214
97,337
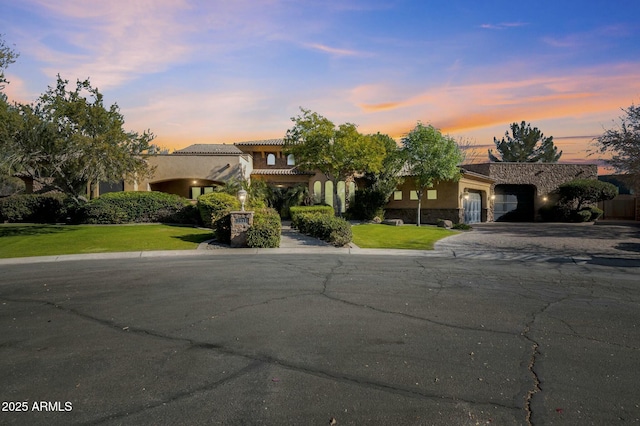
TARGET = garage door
x,y
473,208
514,203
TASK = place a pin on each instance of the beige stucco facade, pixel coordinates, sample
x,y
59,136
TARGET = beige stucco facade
x,y
177,174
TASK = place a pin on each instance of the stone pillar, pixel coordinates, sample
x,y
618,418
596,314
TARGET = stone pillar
x,y
240,224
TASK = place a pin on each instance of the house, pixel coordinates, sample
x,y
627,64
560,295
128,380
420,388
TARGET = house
x,y
485,192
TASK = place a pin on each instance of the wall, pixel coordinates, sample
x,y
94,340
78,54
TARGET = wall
x,y
186,168
545,177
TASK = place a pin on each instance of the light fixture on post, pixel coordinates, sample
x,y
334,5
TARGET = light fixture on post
x,y
242,196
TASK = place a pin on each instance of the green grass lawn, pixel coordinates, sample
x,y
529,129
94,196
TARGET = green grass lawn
x,y
398,237
20,240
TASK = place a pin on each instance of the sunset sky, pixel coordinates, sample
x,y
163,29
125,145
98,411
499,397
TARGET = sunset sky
x,y
226,71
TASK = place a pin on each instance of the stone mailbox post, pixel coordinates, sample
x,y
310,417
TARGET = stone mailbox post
x,y
240,224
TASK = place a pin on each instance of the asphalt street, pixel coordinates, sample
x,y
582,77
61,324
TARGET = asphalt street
x,y
301,339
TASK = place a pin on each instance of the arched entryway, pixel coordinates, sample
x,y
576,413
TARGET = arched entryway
x,y
514,203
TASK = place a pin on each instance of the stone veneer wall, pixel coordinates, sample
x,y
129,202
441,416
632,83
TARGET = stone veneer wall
x,y
546,177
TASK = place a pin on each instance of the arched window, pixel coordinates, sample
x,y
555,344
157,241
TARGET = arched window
x,y
271,160
317,191
290,160
341,195
328,193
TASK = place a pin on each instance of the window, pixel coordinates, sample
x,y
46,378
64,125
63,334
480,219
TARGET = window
x,y
328,193
397,195
271,160
197,191
317,191
341,195
290,160
432,194
413,195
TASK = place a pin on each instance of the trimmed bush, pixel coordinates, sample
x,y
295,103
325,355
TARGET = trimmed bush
x,y
215,205
295,211
580,192
596,213
265,231
214,209
334,230
581,216
37,208
139,207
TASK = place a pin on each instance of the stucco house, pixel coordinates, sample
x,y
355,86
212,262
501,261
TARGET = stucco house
x,y
484,192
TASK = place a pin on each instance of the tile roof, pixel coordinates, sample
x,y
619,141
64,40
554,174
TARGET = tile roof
x,y
262,142
289,172
209,149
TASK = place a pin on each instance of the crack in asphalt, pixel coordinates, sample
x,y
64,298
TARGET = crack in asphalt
x,y
177,396
260,359
535,353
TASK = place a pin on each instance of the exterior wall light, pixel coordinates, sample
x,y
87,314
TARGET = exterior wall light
x,y
545,199
242,196
465,194
493,196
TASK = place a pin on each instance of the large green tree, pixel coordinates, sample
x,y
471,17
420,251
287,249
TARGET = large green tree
x,y
431,157
7,57
338,152
69,139
525,145
623,143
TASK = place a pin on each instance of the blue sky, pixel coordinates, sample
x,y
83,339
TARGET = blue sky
x,y
227,71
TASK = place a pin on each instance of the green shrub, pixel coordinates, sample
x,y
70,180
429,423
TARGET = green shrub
x,y
137,206
581,216
295,211
596,213
462,226
554,213
215,205
37,208
334,230
265,231
580,192
367,204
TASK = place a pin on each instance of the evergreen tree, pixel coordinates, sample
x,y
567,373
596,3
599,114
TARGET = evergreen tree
x,y
525,145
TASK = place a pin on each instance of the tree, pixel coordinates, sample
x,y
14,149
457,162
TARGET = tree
x,y
339,153
430,158
624,144
527,145
582,192
68,139
7,57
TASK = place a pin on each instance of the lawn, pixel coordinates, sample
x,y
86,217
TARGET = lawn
x,y
398,237
19,240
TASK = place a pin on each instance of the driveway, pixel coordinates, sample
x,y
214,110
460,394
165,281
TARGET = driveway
x,y
607,240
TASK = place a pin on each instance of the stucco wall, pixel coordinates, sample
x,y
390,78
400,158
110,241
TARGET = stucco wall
x,y
212,168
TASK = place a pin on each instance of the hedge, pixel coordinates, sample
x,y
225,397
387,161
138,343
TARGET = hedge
x,y
37,208
296,211
334,230
214,209
265,231
139,207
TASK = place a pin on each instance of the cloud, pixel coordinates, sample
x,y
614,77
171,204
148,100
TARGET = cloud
x,y
111,42
454,108
333,50
503,25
